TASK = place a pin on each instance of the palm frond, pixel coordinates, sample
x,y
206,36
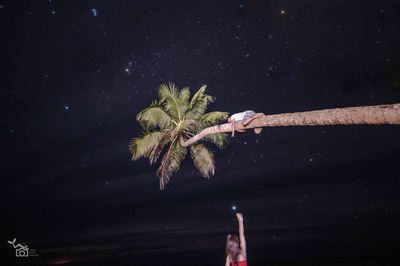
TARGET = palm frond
x,y
159,147
213,118
192,126
179,156
199,94
203,159
154,116
220,140
199,103
142,146
169,98
170,162
184,97
163,172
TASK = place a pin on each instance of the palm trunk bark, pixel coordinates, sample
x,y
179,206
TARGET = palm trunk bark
x,y
364,115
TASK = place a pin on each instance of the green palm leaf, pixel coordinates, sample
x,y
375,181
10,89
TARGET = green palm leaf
x,y
154,116
213,118
170,162
184,97
203,159
179,156
169,98
142,146
199,103
221,140
159,147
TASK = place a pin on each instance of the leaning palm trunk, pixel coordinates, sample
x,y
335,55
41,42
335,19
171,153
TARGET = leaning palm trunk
x,y
365,115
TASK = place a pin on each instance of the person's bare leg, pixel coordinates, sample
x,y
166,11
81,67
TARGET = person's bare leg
x,y
258,130
233,128
248,121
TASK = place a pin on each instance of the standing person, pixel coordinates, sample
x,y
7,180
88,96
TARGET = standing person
x,y
236,247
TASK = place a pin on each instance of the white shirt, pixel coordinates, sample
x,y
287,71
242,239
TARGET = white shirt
x,y
240,116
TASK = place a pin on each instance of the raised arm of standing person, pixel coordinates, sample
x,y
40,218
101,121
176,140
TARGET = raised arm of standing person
x,y
242,239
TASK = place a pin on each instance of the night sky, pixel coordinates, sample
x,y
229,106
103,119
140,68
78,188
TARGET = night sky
x,y
74,74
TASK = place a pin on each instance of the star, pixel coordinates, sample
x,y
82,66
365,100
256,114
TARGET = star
x,y
66,107
283,12
94,12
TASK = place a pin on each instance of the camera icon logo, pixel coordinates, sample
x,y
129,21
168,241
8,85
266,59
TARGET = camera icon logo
x,y
22,252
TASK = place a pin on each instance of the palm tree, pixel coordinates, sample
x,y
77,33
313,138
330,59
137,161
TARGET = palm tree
x,y
367,115
175,115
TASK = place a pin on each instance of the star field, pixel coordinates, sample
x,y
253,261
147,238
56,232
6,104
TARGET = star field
x,y
75,74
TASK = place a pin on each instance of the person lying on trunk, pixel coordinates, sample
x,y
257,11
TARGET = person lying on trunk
x,y
246,117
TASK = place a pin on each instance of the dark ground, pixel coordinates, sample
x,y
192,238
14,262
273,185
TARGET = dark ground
x,y
74,74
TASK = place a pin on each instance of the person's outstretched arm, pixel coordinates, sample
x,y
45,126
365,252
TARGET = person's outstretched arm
x,y
239,216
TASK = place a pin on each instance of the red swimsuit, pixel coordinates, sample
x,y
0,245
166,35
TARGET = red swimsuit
x,y
239,263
